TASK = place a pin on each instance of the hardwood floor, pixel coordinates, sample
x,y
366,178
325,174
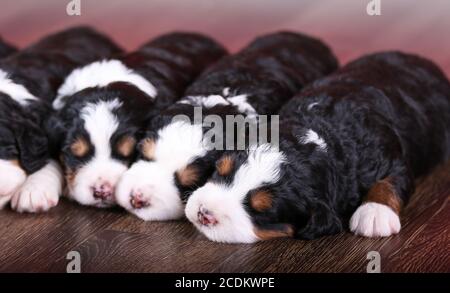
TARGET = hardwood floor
x,y
114,241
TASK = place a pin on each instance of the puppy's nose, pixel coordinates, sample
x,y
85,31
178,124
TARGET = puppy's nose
x,y
138,201
205,217
103,191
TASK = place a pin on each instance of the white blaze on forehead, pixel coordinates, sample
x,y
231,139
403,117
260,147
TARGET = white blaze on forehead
x,y
100,74
178,143
205,101
312,137
243,105
262,167
101,123
226,202
239,101
16,91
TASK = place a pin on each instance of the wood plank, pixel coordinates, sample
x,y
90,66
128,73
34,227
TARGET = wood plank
x,y
31,243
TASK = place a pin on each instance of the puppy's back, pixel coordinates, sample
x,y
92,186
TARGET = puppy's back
x,y
6,49
192,52
42,66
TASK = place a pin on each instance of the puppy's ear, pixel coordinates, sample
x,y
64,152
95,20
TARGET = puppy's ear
x,y
56,129
33,146
322,221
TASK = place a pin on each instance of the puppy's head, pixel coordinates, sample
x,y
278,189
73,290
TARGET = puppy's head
x,y
97,132
263,194
173,162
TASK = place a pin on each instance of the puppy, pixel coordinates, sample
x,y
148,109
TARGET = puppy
x,y
103,106
175,158
29,80
351,145
6,49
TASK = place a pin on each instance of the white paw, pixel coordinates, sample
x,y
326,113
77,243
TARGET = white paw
x,y
375,220
34,198
40,192
11,178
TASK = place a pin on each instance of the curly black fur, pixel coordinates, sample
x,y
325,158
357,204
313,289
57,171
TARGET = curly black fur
x,y
41,68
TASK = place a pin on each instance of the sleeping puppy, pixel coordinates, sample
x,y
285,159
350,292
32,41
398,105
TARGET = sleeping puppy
x,y
6,49
28,83
103,106
351,145
176,158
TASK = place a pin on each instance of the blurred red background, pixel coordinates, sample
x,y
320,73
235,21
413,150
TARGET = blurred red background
x,y
417,26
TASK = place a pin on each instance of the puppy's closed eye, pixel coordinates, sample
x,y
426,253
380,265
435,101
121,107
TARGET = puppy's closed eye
x,y
80,147
125,146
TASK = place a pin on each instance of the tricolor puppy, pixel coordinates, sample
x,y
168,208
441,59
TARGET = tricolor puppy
x,y
103,106
175,158
6,49
29,80
351,145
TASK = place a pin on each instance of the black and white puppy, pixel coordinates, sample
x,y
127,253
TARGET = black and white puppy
x,y
175,158
351,145
29,80
103,106
6,49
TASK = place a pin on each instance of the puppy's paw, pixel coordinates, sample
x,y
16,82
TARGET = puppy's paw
x,y
11,178
375,220
33,198
40,192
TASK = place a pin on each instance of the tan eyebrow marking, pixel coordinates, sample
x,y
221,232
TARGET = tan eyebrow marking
x,y
126,145
79,147
188,176
261,200
225,166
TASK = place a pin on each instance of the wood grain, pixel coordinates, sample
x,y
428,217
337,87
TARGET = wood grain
x,y
114,241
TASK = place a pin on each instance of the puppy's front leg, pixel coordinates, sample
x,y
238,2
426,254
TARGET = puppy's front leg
x,y
378,215
12,176
40,191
